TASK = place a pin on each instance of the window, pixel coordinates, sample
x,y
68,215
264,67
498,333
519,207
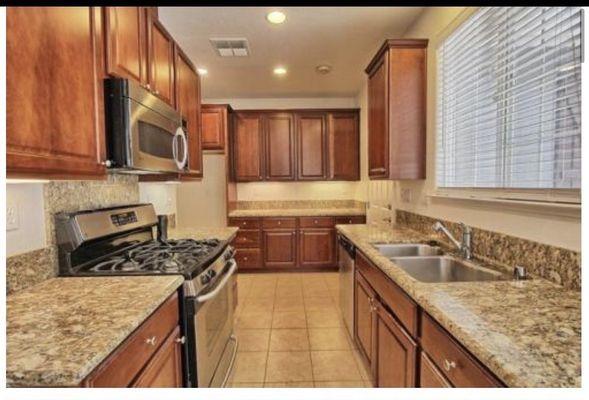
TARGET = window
x,y
509,100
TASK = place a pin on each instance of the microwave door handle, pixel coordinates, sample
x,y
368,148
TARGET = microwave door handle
x,y
220,286
185,147
180,134
175,147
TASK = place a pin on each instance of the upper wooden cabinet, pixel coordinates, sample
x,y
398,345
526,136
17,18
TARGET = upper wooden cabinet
x,y
312,146
344,145
187,92
298,145
248,147
126,43
54,92
279,141
215,121
161,60
396,110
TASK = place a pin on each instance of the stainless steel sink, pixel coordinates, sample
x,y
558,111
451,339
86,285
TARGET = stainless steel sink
x,y
444,269
407,250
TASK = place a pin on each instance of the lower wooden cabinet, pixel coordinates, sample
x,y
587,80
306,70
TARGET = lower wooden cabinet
x,y
280,248
149,357
364,316
164,370
396,352
429,375
317,247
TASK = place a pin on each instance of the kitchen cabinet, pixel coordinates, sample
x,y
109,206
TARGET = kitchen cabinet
x,y
248,148
295,145
161,60
126,43
149,357
280,248
396,110
429,375
396,351
279,140
312,146
344,145
216,119
364,315
317,247
187,93
54,94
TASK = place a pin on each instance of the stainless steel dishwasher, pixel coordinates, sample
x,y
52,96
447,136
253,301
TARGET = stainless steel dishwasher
x,y
347,253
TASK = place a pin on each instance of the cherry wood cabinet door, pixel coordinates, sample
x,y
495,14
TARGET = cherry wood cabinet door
x,y
279,146
378,120
126,43
54,92
344,146
312,146
280,248
161,60
248,160
396,352
215,121
188,105
364,298
317,247
429,375
164,370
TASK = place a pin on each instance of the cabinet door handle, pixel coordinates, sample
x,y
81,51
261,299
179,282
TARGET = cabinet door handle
x,y
279,222
448,365
181,340
244,258
244,223
151,341
315,221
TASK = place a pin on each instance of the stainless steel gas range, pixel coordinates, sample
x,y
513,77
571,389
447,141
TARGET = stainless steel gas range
x,y
123,241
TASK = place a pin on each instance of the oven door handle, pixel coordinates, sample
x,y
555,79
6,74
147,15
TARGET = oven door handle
x,y
220,286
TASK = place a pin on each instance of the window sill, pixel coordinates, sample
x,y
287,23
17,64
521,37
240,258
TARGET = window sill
x,y
553,208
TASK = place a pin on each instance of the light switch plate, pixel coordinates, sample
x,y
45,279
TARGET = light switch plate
x,y
12,217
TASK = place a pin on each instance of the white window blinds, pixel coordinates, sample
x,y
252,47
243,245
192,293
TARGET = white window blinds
x,y
509,100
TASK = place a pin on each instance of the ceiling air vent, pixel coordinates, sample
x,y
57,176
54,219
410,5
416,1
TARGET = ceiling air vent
x,y
231,47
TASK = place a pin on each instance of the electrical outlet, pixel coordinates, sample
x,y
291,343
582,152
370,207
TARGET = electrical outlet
x,y
12,219
406,195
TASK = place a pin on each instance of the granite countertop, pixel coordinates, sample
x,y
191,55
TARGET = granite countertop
x,y
527,332
58,331
297,212
222,233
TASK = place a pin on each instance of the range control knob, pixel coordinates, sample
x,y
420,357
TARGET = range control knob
x,y
205,279
212,273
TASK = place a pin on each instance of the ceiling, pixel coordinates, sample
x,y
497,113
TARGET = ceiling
x,y
344,38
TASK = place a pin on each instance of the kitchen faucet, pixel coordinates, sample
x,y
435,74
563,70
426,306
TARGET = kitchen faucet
x,y
465,245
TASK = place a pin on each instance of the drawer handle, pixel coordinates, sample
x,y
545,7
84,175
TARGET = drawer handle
x,y
244,258
151,340
244,223
181,340
448,365
315,221
349,221
279,222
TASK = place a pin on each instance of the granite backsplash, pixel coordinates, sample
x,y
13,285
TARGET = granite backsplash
x,y
296,204
553,263
27,269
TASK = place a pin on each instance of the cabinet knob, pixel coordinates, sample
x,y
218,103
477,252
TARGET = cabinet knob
x,y
315,221
448,365
244,258
350,221
279,222
151,341
244,223
181,340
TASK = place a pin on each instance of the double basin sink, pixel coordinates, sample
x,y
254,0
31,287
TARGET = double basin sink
x,y
428,264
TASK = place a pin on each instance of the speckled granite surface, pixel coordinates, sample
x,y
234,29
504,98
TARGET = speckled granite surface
x,y
297,208
556,264
30,268
226,233
528,333
60,330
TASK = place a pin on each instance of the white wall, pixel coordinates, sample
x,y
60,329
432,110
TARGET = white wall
x,y
163,196
529,224
26,205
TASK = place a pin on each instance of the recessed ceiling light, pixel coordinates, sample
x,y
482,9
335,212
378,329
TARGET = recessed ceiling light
x,y
276,17
279,71
202,71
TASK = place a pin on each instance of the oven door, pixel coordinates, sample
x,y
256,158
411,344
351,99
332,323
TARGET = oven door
x,y
215,344
157,143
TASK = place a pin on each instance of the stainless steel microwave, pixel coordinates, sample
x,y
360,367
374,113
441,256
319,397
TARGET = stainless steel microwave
x,y
144,134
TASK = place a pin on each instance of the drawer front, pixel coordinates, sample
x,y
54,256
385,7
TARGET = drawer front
x,y
404,308
429,375
245,223
247,238
121,367
316,222
461,369
279,223
248,258
354,219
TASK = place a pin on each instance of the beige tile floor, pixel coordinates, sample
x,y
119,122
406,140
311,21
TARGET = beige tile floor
x,y
291,334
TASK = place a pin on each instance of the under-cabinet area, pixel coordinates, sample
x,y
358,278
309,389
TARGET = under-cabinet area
x,y
267,197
